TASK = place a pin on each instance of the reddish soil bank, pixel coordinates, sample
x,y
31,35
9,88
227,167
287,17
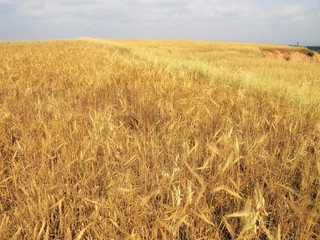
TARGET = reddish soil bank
x,y
299,56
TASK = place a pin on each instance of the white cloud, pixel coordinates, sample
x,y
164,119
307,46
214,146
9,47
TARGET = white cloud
x,y
54,8
156,10
291,13
169,18
6,1
291,10
69,21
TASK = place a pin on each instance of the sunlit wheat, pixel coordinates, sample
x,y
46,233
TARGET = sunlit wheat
x,y
128,139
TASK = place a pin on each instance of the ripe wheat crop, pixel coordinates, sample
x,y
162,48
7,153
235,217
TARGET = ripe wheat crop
x,y
127,139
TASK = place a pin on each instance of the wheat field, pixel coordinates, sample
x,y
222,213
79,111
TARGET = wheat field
x,y
133,139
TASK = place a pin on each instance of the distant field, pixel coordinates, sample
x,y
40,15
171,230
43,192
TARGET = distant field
x,y
314,48
134,139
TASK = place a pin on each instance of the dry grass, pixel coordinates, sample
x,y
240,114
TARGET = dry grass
x,y
157,140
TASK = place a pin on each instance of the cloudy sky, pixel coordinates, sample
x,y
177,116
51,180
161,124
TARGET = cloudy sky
x,y
263,21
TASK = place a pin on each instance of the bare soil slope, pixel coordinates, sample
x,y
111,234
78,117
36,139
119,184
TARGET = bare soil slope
x,y
299,56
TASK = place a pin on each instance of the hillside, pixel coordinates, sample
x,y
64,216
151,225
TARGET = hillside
x,y
133,139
